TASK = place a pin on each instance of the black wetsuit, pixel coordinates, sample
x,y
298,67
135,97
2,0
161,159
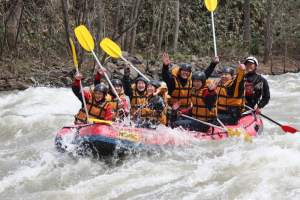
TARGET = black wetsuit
x,y
259,94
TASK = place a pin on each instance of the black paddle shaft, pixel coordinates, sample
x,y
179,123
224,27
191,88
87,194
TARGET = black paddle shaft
x,y
268,118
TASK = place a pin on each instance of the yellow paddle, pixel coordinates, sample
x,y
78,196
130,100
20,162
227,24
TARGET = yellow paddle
x,y
113,50
77,71
211,5
86,40
230,131
100,121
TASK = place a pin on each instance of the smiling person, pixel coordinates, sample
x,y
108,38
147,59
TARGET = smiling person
x,y
96,104
230,91
152,114
136,91
120,108
257,91
203,103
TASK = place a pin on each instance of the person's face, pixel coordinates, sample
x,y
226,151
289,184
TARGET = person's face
x,y
98,96
225,77
150,89
141,86
119,89
250,67
163,90
197,84
184,74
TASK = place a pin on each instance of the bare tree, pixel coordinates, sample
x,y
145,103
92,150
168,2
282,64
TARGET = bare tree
x,y
99,19
268,31
133,31
12,23
177,22
247,33
163,24
64,5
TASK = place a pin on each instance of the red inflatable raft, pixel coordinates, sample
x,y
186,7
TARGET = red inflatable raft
x,y
104,140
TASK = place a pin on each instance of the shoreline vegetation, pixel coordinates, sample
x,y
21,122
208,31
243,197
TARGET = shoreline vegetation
x,y
20,74
34,35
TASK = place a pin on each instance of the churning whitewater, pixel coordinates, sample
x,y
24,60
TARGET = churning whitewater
x,y
31,168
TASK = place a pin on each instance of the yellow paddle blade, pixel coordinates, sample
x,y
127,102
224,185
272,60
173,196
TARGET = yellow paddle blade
x,y
100,121
73,53
231,132
211,5
84,38
111,48
247,138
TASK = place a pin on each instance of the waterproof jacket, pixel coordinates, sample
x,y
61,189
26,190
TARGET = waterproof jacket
x,y
257,90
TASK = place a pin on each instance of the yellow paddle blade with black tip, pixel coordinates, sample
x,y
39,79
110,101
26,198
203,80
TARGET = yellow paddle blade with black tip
x,y
100,121
84,38
111,48
211,5
74,53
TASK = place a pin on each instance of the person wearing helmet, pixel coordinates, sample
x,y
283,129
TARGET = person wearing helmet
x,y
180,80
120,109
230,91
96,103
163,92
152,113
227,74
136,91
202,103
257,92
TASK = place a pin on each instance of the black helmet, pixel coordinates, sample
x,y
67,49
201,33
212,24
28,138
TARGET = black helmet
x,y
140,78
155,83
101,87
199,75
116,82
227,70
185,66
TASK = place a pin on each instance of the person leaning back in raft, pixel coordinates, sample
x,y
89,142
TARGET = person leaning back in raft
x,y
96,103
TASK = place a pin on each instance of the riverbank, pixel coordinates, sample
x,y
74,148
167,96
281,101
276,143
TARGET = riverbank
x,y
19,74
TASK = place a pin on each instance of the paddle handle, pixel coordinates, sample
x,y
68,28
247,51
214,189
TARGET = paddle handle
x,y
202,122
106,76
138,71
82,95
214,33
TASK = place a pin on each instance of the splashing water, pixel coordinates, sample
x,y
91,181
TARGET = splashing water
x,y
31,168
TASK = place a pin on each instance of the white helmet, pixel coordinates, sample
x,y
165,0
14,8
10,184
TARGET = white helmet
x,y
251,59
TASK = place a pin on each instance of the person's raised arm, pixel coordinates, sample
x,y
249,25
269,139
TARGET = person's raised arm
x,y
166,75
209,70
127,82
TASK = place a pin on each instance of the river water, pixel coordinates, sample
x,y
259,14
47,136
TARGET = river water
x,y
31,168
